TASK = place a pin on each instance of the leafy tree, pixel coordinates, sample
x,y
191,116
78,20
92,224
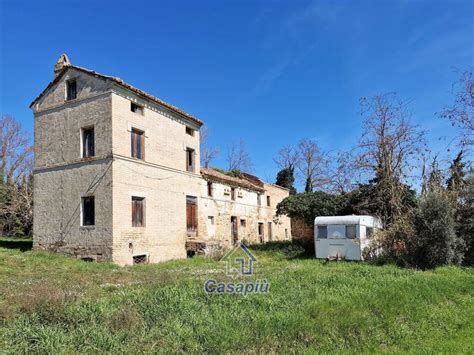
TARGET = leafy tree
x,y
286,178
455,182
435,242
465,218
309,205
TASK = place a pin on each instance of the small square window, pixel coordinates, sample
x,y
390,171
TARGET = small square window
x,y
190,131
210,219
351,232
136,108
88,211
322,232
71,89
88,144
243,223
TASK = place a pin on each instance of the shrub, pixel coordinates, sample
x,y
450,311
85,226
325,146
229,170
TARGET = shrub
x,y
391,245
436,242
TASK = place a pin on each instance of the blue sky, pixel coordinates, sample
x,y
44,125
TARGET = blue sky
x,y
270,72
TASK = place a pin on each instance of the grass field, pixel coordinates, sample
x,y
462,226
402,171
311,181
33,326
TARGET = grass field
x,y
49,303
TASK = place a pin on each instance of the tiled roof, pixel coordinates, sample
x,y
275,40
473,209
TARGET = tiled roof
x,y
125,85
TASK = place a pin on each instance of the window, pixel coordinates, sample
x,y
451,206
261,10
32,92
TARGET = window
x,y
190,131
191,216
209,189
369,232
322,232
259,199
88,211
210,219
136,108
190,160
71,89
140,259
232,193
88,148
138,144
268,201
243,223
351,232
138,211
286,233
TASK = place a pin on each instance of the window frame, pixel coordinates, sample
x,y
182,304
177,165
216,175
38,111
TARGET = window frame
x,y
137,108
210,189
190,131
190,158
140,203
85,153
137,146
85,221
69,83
325,227
347,228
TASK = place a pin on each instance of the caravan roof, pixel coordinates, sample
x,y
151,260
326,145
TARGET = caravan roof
x,y
363,220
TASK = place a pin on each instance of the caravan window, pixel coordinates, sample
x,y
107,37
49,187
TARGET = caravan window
x,y
351,232
322,231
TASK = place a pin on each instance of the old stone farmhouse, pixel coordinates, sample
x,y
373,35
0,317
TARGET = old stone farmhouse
x,y
117,177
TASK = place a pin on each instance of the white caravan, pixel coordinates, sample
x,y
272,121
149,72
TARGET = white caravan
x,y
343,237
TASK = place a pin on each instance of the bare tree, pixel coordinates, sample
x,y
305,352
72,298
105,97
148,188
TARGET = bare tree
x,y
390,147
313,165
16,156
287,157
238,158
16,192
461,112
208,153
343,176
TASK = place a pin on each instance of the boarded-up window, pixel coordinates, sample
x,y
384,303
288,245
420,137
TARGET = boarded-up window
x,y
190,160
88,146
136,108
191,216
270,231
209,189
138,144
351,232
138,211
88,211
232,194
71,89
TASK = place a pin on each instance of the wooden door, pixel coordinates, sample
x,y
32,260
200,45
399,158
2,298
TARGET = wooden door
x,y
191,216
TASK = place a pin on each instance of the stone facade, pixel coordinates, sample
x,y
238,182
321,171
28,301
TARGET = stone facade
x,y
162,178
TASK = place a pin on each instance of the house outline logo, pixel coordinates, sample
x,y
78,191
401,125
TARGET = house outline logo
x,y
239,263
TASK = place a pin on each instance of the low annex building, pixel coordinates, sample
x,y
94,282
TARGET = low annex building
x,y
117,177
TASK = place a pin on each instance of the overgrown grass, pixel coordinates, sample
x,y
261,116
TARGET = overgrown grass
x,y
49,303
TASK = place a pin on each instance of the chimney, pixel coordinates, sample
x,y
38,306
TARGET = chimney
x,y
62,62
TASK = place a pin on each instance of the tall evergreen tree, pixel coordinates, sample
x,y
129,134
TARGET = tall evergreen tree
x,y
286,178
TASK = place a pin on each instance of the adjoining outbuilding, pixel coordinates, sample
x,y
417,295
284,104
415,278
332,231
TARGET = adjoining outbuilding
x,y
343,237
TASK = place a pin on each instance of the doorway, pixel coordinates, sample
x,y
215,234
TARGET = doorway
x,y
233,230
261,233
